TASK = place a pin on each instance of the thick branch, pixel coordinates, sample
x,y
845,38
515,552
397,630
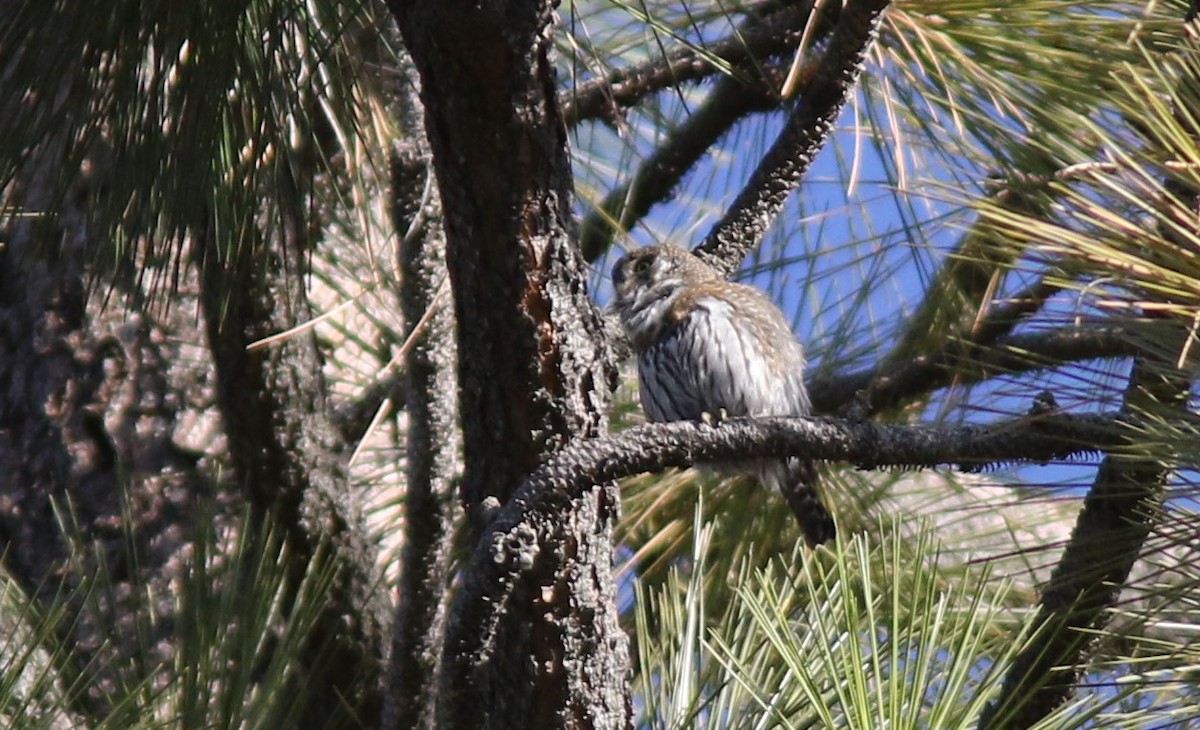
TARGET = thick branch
x,y
499,151
535,370
433,447
804,133
287,454
1033,438
506,564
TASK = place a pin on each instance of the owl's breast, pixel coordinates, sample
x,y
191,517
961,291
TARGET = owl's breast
x,y
709,360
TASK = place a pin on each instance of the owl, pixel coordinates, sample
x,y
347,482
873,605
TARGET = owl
x,y
705,345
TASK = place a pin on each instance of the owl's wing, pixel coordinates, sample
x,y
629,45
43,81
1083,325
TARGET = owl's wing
x,y
777,388
669,389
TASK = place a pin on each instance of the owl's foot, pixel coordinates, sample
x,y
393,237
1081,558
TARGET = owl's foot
x,y
859,409
714,419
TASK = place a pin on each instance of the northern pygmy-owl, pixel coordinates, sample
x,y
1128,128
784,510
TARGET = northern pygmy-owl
x,y
705,345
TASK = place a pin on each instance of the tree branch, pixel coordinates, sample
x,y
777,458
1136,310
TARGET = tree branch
x,y
287,455
893,383
804,133
657,175
507,564
1037,437
433,443
486,71
758,38
535,371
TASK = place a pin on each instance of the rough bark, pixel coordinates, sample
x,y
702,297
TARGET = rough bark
x,y
534,368
58,463
500,155
96,498
431,432
48,379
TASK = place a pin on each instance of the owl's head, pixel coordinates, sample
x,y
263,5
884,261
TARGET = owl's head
x,y
648,283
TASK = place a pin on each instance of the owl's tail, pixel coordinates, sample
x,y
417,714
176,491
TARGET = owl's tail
x,y
797,479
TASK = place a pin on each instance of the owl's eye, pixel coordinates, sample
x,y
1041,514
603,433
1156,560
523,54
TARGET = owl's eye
x,y
643,264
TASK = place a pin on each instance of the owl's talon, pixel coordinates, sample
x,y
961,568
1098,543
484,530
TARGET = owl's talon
x,y
859,409
714,419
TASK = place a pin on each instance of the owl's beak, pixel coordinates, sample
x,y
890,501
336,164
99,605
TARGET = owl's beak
x,y
618,277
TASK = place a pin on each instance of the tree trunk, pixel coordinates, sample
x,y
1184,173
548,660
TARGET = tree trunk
x,y
534,368
289,458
